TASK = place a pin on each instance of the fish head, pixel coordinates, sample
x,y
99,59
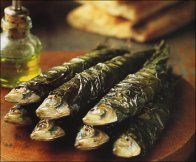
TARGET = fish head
x,y
18,116
47,130
125,146
22,96
101,114
90,138
53,108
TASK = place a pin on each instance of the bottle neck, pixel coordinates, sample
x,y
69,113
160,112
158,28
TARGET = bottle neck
x,y
16,28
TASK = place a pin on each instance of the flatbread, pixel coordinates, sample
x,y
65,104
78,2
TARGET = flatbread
x,y
164,22
131,10
91,19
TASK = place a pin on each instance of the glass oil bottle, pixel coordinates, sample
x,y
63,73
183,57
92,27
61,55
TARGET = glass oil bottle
x,y
20,50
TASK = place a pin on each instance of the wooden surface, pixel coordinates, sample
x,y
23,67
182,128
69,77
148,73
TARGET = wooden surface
x,y
176,143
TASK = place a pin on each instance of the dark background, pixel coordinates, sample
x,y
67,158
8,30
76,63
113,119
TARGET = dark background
x,y
49,23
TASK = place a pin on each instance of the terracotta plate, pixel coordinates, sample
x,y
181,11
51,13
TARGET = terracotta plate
x,y
176,142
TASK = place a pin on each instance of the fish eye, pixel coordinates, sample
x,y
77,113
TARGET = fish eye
x,y
42,125
93,109
86,129
14,110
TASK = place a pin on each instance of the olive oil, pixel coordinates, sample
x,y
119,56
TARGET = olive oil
x,y
14,71
20,49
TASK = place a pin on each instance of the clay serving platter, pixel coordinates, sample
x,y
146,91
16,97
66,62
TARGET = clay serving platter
x,y
176,142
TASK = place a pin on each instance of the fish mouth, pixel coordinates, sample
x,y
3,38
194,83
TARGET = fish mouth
x,y
90,138
100,115
126,147
22,96
53,108
46,130
18,116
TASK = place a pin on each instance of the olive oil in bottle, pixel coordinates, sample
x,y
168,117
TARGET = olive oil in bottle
x,y
20,50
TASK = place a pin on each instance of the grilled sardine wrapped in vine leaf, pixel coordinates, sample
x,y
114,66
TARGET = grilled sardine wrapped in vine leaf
x,y
141,135
129,96
39,87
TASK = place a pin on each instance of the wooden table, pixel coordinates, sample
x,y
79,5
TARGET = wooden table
x,y
176,143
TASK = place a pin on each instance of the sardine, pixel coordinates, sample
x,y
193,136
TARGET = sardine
x,y
139,136
39,87
129,96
